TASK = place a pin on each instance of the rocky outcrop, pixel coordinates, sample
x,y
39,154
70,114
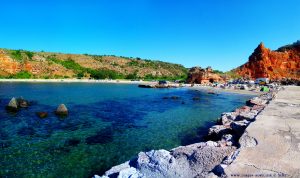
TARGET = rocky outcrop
x,y
195,160
62,110
12,105
276,65
203,76
16,103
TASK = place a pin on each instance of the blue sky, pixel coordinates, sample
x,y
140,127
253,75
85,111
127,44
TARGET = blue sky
x,y
217,33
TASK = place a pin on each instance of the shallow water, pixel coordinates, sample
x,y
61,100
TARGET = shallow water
x,y
107,125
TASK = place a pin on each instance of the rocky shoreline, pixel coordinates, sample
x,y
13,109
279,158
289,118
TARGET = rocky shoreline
x,y
204,159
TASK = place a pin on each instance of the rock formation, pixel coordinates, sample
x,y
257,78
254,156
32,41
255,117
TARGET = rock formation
x,y
263,62
61,110
203,76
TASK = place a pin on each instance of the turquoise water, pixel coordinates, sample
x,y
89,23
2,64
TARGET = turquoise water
x,y
107,125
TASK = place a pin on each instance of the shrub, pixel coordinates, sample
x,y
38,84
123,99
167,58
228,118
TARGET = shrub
x,y
16,54
29,54
22,75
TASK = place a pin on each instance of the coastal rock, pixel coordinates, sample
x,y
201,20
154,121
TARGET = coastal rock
x,y
239,126
201,160
116,169
42,115
158,163
211,143
22,103
228,117
247,141
203,76
256,101
12,105
228,139
243,109
62,110
249,116
129,173
258,108
230,158
216,131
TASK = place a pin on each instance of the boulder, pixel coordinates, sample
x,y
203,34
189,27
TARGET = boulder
x,y
200,160
211,143
249,116
239,126
256,101
228,139
158,163
22,103
227,118
230,158
129,173
12,105
116,169
42,115
243,109
216,131
62,110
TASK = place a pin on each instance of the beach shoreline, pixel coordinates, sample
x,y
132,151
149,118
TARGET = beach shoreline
x,y
221,90
121,81
124,81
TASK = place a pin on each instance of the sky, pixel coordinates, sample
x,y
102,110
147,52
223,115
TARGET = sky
x,y
217,33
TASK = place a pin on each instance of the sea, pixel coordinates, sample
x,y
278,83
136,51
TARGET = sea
x,y
107,124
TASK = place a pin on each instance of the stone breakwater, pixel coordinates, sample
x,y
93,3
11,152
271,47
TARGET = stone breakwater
x,y
204,159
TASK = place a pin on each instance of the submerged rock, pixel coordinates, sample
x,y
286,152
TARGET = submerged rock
x,y
72,142
175,97
42,115
101,137
62,110
196,98
12,105
26,131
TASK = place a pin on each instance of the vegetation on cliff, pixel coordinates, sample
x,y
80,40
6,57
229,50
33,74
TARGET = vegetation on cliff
x,y
17,63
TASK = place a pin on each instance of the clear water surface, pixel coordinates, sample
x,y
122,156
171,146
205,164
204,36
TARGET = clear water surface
x,y
107,125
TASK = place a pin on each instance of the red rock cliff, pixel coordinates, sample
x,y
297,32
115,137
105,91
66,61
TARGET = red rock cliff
x,y
203,76
263,62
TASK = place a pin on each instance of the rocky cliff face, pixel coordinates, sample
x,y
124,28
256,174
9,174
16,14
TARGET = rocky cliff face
x,y
203,76
263,62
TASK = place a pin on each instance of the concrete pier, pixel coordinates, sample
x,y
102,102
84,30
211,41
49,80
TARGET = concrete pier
x,y
277,133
